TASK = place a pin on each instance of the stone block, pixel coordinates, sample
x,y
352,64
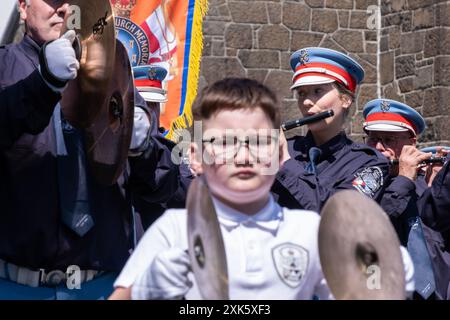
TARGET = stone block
x,y
216,68
302,39
442,71
437,42
259,59
339,4
423,18
315,3
273,37
424,78
412,42
351,40
218,48
404,66
436,102
414,99
406,84
324,21
281,81
248,12
239,36
214,28
274,11
257,74
296,16
344,18
358,19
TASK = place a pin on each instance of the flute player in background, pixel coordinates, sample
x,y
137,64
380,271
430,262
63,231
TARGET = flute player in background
x,y
326,160
393,129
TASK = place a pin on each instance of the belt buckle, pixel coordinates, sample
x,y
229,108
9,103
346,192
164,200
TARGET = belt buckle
x,y
53,278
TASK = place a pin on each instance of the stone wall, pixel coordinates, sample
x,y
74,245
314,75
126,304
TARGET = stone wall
x,y
415,55
255,38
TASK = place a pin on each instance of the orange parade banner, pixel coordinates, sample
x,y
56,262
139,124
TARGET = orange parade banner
x,y
166,31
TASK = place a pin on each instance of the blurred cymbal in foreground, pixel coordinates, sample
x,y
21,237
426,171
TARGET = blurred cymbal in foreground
x,y
95,47
108,138
359,249
206,247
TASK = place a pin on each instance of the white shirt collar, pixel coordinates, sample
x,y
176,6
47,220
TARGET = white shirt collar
x,y
267,218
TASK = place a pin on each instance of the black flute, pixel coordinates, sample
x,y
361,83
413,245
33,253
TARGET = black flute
x,y
428,161
306,120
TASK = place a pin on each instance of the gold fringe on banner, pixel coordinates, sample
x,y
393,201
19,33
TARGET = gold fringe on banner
x,y
196,48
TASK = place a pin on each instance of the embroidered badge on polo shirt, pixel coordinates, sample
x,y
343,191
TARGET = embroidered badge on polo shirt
x,y
291,262
368,181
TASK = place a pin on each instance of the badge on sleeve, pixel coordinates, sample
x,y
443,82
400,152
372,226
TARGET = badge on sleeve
x,y
291,262
368,181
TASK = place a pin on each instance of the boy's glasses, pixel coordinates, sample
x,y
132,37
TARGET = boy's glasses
x,y
261,147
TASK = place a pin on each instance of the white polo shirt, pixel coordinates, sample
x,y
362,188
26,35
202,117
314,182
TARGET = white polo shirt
x,y
270,255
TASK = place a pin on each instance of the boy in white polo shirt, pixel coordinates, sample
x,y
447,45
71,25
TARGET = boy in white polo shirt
x,y
272,252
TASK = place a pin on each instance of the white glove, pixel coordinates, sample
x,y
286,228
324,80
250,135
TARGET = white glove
x,y
141,127
58,63
167,277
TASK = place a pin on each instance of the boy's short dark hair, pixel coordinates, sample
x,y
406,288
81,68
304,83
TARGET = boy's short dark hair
x,y
234,94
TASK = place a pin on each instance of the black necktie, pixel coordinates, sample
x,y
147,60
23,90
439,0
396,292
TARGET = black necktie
x,y
423,269
72,181
314,155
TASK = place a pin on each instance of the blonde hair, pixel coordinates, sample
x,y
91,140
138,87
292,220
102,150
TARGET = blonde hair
x,y
343,91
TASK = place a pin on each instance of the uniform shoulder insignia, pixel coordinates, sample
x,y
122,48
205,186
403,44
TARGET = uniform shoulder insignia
x,y
368,181
359,146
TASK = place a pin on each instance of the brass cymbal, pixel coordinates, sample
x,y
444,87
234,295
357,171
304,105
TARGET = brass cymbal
x,y
95,46
108,138
206,248
359,249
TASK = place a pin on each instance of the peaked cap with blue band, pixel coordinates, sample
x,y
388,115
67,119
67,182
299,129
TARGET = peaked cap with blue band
x,y
148,80
391,115
151,72
316,65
